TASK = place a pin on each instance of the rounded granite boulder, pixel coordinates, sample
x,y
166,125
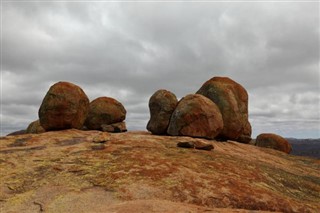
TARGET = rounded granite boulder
x,y
196,116
273,141
232,100
161,104
65,106
104,111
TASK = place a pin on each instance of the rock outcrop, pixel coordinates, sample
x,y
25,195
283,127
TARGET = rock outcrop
x,y
161,104
232,100
104,110
65,106
273,141
196,116
93,171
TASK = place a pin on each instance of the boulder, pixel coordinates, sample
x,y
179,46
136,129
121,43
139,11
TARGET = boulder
x,y
196,116
104,110
161,104
232,100
35,128
65,106
102,137
115,128
273,141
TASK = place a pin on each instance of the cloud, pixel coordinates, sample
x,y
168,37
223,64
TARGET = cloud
x,y
129,50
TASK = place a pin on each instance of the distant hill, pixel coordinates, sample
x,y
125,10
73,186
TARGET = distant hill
x,y
305,147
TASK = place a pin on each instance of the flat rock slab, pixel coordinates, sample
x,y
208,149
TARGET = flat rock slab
x,y
60,172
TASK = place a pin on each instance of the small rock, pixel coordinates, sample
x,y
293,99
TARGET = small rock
x,y
186,144
114,128
203,146
101,138
35,128
196,145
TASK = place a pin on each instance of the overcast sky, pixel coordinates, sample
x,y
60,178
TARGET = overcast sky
x,y
129,50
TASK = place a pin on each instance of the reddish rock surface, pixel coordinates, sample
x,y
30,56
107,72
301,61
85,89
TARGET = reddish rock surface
x,y
273,141
161,104
65,106
232,100
104,110
35,128
196,116
59,171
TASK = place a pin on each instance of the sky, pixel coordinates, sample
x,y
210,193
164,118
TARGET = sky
x,y
128,50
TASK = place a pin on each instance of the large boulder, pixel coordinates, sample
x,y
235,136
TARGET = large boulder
x,y
196,116
232,100
65,106
35,128
161,104
104,110
273,141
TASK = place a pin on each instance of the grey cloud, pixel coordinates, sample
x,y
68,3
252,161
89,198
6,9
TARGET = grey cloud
x,y
130,50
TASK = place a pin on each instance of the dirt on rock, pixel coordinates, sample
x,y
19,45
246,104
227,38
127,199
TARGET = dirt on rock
x,y
138,172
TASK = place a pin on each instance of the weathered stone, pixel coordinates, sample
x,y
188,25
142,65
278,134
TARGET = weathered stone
x,y
104,110
101,138
115,128
185,144
65,106
196,145
196,116
35,128
203,146
232,100
273,141
161,104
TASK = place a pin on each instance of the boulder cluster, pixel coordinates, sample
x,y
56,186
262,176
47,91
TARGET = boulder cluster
x,y
66,106
219,109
